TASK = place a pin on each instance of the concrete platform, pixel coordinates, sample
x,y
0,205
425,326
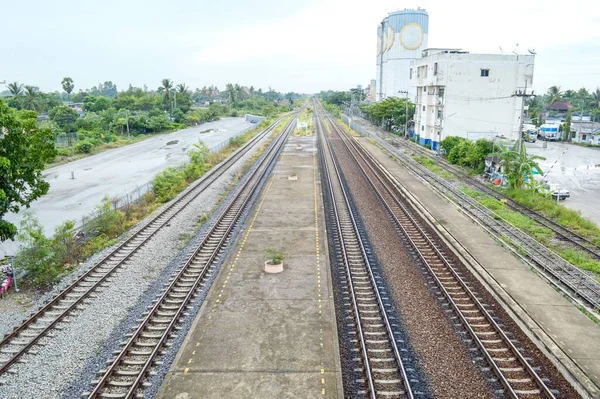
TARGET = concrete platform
x,y
553,322
269,335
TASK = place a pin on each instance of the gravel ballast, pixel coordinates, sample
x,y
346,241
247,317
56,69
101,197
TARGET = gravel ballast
x,y
49,373
439,350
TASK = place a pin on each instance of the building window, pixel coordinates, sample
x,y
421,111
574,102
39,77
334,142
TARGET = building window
x,y
439,114
424,89
485,73
419,72
441,92
435,69
422,128
410,73
423,108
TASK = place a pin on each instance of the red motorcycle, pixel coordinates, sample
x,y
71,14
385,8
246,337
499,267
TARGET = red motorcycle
x,y
6,278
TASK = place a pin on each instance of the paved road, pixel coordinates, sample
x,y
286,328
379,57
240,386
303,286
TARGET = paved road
x,y
116,173
578,170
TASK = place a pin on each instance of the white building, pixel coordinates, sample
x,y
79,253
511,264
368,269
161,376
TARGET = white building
x,y
401,37
469,95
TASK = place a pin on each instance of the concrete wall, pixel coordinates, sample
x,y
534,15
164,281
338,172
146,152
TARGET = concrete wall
x,y
454,99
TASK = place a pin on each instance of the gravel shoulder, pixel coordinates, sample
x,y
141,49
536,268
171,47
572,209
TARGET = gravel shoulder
x,y
83,336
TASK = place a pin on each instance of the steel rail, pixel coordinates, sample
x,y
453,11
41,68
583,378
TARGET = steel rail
x,y
583,243
391,336
238,205
579,286
376,171
149,228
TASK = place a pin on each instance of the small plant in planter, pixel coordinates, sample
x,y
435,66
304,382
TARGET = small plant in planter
x,y
293,177
274,262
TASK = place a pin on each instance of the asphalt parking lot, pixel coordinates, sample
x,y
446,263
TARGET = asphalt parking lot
x,y
575,168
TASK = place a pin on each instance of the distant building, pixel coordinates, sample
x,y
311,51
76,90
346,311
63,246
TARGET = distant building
x,y
401,37
560,107
585,132
371,94
468,95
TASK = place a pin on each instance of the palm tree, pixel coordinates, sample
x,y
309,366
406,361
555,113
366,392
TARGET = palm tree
x,y
165,90
554,95
31,98
231,93
15,88
570,96
182,88
518,166
68,86
595,102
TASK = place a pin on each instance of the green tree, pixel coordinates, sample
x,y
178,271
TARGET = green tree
x,y
165,91
231,93
16,89
31,98
518,166
64,116
554,94
594,101
24,149
567,126
96,103
68,85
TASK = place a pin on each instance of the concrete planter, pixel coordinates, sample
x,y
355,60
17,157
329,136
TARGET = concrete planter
x,y
298,146
293,177
270,268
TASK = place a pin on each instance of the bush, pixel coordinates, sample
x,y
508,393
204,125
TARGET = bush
x,y
37,254
237,141
450,142
84,147
64,152
168,183
467,153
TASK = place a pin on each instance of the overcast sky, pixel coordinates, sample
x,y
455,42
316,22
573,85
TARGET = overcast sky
x,y
303,46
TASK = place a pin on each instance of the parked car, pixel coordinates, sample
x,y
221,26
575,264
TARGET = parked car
x,y
530,136
554,190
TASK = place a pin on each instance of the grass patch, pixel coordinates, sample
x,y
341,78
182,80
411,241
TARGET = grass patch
x,y
540,233
433,166
582,260
568,218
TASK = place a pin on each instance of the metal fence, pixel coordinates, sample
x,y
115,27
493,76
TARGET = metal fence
x,y
65,140
353,125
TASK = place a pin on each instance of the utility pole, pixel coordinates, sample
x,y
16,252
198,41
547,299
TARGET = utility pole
x,y
405,113
523,95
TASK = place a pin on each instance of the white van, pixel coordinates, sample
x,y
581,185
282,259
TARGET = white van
x,y
549,131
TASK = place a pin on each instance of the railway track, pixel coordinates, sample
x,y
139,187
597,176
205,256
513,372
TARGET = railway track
x,y
562,233
573,282
40,324
127,373
383,372
512,370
